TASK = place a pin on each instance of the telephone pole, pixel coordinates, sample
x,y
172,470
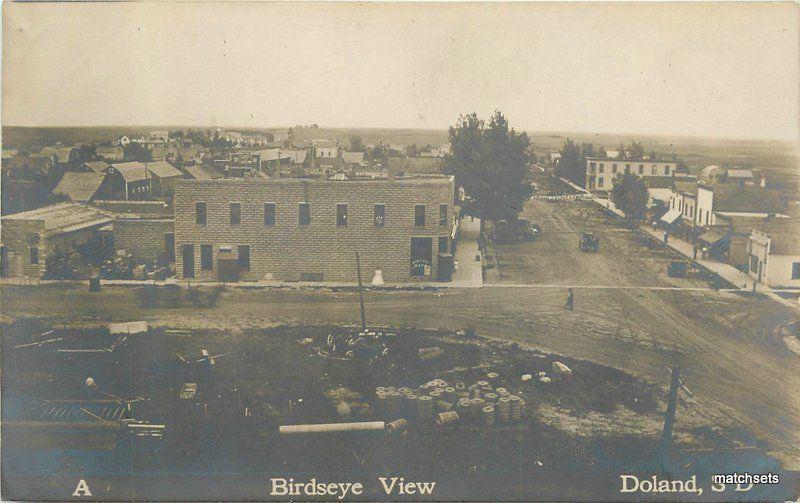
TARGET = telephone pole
x,y
361,294
669,415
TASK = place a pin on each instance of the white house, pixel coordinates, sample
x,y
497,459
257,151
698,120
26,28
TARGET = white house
x,y
693,203
601,171
774,253
327,152
123,141
159,135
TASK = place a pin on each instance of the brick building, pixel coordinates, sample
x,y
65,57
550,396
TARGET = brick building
x,y
38,240
148,237
310,230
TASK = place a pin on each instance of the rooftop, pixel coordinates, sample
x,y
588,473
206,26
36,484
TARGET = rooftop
x,y
201,172
63,217
620,159
97,166
739,173
162,169
404,180
79,186
131,171
784,234
658,182
734,199
353,157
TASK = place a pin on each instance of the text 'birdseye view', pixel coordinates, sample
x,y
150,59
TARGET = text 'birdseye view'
x,y
400,252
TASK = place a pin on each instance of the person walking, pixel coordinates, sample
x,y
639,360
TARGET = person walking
x,y
570,299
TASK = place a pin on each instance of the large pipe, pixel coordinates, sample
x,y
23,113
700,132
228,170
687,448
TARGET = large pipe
x,y
331,427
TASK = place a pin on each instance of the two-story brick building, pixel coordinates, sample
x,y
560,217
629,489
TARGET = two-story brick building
x,y
310,230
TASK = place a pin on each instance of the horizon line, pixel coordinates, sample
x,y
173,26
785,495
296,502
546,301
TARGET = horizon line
x,y
407,128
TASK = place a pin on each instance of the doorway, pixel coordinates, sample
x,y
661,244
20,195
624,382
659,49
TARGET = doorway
x,y
187,252
421,256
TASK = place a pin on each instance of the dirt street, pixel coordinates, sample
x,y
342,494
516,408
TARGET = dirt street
x,y
735,361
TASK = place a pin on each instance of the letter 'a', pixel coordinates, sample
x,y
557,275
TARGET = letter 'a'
x,y
82,489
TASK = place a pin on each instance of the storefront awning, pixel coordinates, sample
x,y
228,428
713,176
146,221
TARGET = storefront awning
x,y
712,236
671,216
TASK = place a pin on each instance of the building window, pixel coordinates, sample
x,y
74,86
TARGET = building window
x,y
627,168
236,213
442,215
419,215
600,181
614,168
244,257
601,168
654,170
206,257
269,214
641,169
666,169
341,215
200,213
443,244
305,213
34,255
379,215
753,263
795,270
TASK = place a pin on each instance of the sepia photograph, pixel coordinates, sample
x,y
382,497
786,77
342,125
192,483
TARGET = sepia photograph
x,y
400,251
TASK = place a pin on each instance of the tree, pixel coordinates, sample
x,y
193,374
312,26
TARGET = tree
x,y
571,165
491,163
378,154
356,145
411,150
636,150
136,152
630,196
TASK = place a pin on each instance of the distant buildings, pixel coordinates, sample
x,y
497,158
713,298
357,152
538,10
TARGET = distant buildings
x,y
27,180
138,180
741,177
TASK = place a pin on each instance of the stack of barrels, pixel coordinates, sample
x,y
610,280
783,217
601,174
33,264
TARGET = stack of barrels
x,y
447,403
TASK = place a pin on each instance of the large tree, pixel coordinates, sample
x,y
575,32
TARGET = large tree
x,y
136,152
572,164
356,145
630,195
491,162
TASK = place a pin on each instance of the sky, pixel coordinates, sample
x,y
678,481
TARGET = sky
x,y
720,70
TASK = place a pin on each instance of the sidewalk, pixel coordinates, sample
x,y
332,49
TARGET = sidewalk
x,y
470,272
726,271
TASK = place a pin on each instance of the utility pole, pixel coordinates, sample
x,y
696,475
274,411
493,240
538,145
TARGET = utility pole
x,y
669,415
361,294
